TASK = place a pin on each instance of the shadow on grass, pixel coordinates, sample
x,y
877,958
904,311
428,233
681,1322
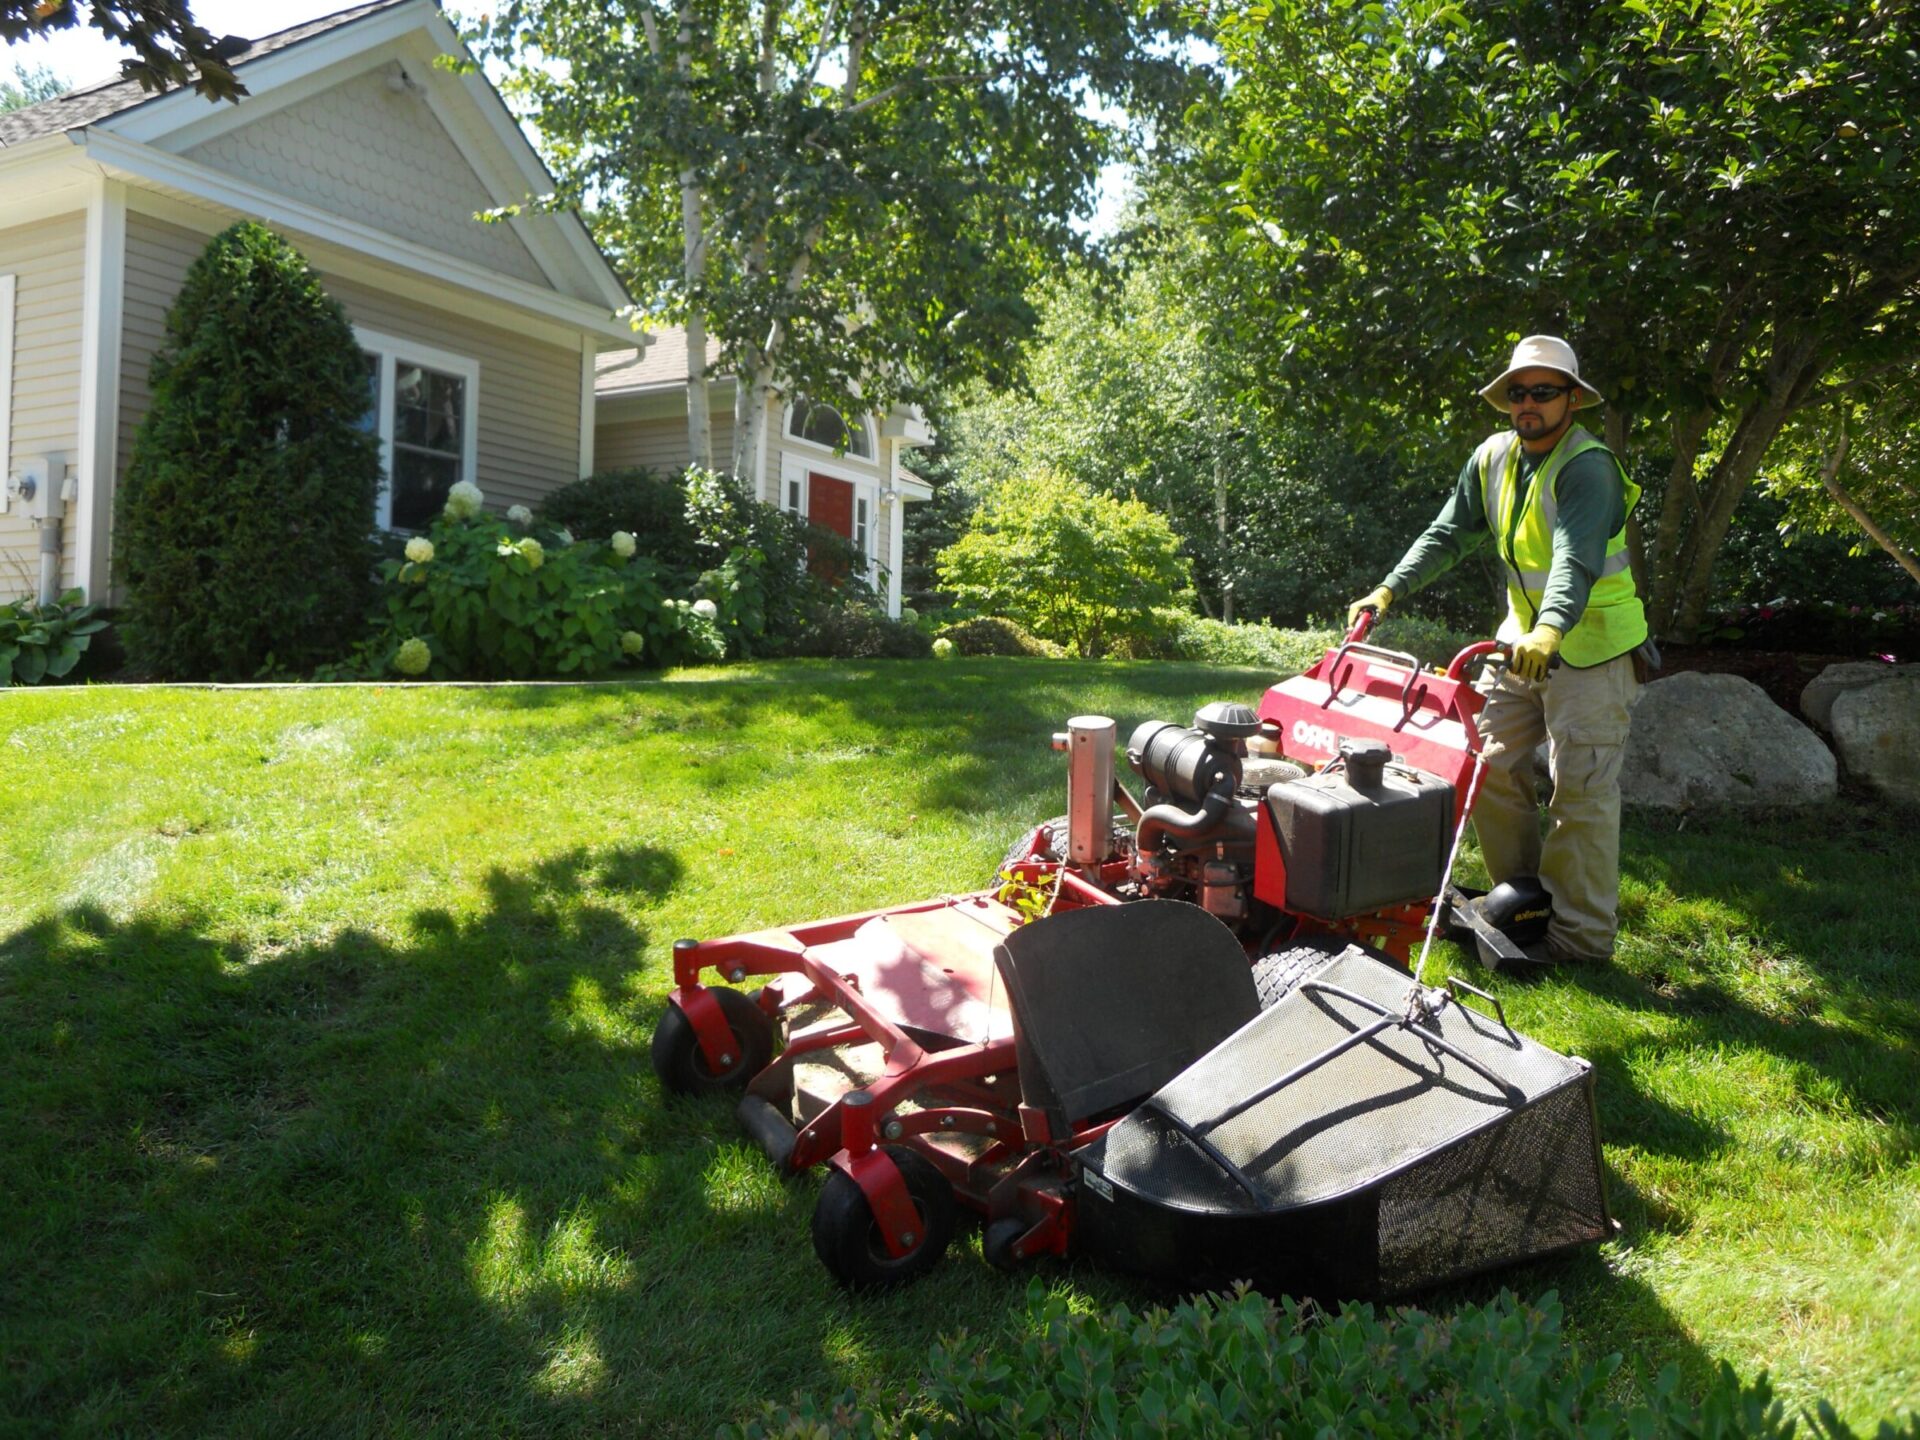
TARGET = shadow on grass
x,y
426,1182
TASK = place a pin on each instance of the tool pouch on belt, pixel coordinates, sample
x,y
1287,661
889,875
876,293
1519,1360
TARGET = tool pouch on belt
x,y
1646,660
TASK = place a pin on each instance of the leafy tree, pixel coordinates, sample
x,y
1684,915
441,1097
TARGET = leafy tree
x,y
29,87
170,48
1128,389
1716,199
242,527
850,197
1849,468
1072,566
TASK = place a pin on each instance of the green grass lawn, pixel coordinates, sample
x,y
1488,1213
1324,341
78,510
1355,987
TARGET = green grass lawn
x,y
325,1103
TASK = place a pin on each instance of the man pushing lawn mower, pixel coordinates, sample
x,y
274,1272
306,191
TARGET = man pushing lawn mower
x,y
1555,502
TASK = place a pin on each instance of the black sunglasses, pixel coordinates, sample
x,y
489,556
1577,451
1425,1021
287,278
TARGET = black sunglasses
x,y
1540,394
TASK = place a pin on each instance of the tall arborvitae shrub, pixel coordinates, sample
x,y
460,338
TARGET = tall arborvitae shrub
x,y
243,529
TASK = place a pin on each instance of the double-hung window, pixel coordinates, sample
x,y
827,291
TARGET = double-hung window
x,y
422,405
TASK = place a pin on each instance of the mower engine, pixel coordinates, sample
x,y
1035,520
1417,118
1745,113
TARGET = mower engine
x,y
1244,836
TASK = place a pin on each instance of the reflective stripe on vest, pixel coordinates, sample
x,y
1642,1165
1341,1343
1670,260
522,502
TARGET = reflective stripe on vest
x,y
1614,620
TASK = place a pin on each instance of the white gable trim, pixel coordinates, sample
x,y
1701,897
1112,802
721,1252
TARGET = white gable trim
x,y
105,287
416,34
157,167
286,77
535,178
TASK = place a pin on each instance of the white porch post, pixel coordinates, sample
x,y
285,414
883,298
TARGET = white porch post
x,y
896,535
106,248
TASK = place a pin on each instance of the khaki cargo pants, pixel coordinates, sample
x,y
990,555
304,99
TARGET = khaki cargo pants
x,y
1582,714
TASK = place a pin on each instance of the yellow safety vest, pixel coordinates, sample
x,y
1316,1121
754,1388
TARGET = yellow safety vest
x,y
1614,620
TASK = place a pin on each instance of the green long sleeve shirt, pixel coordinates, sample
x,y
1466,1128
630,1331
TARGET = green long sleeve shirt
x,y
1593,507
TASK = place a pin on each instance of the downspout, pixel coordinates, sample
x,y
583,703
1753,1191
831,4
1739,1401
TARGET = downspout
x,y
51,529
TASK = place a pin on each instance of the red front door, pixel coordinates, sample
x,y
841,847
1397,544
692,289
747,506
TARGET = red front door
x,y
830,506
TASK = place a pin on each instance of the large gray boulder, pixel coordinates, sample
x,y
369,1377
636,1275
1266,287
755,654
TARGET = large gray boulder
x,y
1719,742
1816,701
1876,729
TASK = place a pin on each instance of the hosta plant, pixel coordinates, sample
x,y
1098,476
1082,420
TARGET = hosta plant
x,y
40,642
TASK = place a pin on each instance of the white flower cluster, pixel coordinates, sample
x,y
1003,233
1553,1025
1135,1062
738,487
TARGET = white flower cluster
x,y
413,657
943,649
706,609
464,501
632,642
519,515
419,550
623,544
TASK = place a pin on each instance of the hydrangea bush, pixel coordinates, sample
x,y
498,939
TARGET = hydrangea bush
x,y
478,598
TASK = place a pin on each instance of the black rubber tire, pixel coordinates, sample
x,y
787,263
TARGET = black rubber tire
x,y
1275,976
1053,843
847,1239
681,1064
996,1245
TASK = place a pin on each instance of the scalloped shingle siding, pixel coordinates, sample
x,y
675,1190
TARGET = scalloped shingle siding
x,y
361,151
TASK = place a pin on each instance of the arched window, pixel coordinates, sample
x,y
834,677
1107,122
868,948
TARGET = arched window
x,y
821,424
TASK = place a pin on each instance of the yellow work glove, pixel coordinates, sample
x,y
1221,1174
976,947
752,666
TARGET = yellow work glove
x,y
1377,601
1534,652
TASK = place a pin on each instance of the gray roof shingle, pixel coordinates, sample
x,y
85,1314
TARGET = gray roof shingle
x,y
93,103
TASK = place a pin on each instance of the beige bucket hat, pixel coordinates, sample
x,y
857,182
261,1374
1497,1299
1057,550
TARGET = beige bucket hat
x,y
1548,352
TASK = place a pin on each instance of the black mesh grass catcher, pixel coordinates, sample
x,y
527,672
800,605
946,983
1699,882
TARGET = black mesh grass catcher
x,y
1337,1146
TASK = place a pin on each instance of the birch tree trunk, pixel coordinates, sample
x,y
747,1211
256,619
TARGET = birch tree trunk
x,y
693,252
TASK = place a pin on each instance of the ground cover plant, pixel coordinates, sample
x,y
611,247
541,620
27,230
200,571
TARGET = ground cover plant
x,y
324,1017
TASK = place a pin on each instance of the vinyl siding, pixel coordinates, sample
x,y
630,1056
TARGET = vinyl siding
x,y
48,261
529,401
659,443
363,152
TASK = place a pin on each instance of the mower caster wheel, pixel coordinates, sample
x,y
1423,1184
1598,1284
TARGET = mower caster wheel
x,y
847,1238
1276,976
996,1246
681,1064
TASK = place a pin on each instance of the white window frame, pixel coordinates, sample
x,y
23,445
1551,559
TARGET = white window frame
x,y
872,457
390,350
8,287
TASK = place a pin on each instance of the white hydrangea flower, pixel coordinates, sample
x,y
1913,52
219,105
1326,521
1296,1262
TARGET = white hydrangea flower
x,y
623,544
706,609
943,648
532,549
519,515
413,657
464,501
419,550
632,643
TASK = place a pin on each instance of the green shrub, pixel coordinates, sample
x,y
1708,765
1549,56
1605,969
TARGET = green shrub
x,y
855,631
1080,569
649,506
40,642
1214,642
990,635
706,535
477,599
1432,642
243,525
1241,1366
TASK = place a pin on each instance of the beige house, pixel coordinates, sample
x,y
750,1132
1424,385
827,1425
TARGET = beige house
x,y
843,473
483,339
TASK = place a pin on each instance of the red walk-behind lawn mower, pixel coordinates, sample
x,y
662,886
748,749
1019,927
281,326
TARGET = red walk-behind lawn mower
x,y
1188,1044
